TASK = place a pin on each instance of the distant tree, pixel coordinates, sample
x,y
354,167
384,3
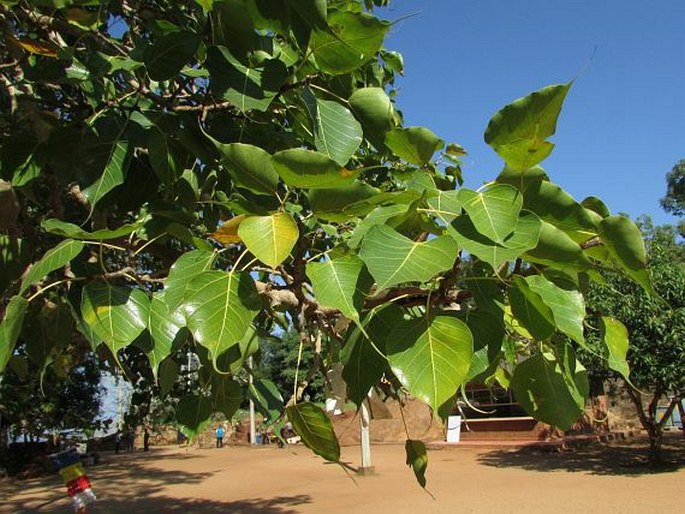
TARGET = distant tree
x,y
656,329
674,201
36,404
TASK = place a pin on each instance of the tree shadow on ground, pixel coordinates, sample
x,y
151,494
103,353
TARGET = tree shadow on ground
x,y
626,458
165,504
144,482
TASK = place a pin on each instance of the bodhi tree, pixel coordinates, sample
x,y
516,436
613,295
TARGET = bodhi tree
x,y
187,177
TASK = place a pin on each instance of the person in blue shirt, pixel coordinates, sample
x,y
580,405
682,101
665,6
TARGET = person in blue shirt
x,y
220,436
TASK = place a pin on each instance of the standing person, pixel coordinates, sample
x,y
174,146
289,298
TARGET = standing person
x,y
146,440
117,442
220,436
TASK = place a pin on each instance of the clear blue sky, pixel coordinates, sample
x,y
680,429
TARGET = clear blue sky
x,y
623,124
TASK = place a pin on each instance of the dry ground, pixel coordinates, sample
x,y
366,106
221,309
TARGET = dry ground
x,y
267,480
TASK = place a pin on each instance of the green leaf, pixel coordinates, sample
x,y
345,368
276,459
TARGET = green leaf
x,y
557,250
446,205
413,144
393,258
113,174
267,398
193,414
316,430
64,229
169,53
352,40
53,259
337,133
488,333
164,327
308,169
567,306
431,357
385,215
250,167
235,357
530,309
10,328
373,108
624,242
221,309
615,337
232,27
164,156
116,315
246,88
341,203
525,237
168,373
364,358
227,395
494,212
547,391
313,12
340,284
518,132
555,206
417,459
270,238
182,272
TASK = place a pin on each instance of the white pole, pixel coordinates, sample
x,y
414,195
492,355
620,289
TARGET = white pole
x,y
364,421
253,431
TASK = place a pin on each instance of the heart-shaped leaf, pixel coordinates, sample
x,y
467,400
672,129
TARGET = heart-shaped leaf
x,y
530,309
117,315
307,169
226,394
249,166
164,327
567,306
193,414
431,357
414,144
547,391
340,284
352,40
393,258
494,212
316,430
270,238
373,108
524,238
337,133
221,309
182,272
446,205
623,240
53,259
518,132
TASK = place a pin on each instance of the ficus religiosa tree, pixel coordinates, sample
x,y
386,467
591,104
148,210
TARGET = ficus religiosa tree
x,y
187,177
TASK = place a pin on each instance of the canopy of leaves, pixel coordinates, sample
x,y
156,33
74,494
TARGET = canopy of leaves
x,y
240,169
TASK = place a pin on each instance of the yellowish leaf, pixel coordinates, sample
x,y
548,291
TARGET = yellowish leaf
x,y
37,47
228,232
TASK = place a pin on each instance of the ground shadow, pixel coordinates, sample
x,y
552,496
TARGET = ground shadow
x,y
167,505
625,458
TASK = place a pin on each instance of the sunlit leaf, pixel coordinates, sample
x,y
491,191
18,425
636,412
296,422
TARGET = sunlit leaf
x,y
430,357
269,238
183,271
228,231
373,108
115,314
308,169
393,258
414,144
337,133
493,212
519,131
615,336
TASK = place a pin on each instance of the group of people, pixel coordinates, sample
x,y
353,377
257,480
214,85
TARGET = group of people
x,y
263,435
127,438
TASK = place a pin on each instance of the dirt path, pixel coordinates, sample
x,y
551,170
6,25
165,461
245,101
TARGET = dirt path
x,y
289,481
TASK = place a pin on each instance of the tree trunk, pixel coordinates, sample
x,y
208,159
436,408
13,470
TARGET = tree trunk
x,y
649,424
681,410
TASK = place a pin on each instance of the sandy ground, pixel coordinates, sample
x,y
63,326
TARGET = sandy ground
x,y
293,480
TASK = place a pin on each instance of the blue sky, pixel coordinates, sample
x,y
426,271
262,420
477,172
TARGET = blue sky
x,y
623,124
